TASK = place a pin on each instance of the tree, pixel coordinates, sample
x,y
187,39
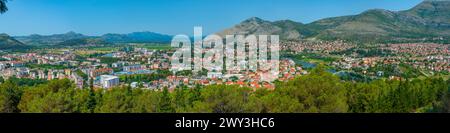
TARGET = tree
x,y
3,7
165,103
146,102
222,99
320,91
57,96
116,100
92,101
91,83
10,95
266,101
180,99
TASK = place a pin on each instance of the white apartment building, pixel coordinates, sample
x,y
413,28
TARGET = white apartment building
x,y
2,66
215,75
109,81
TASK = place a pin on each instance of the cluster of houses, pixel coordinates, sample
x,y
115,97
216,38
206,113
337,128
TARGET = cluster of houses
x,y
136,61
434,57
315,46
427,57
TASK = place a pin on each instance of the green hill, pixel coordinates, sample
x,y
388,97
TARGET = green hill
x,y
9,43
430,19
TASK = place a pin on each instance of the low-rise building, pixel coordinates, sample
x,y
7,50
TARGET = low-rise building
x,y
2,66
215,75
101,71
109,81
132,68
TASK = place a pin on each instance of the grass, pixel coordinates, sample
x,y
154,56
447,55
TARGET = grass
x,y
90,52
105,49
153,46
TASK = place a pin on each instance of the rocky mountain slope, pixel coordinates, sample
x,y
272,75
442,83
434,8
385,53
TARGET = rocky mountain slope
x,y
430,19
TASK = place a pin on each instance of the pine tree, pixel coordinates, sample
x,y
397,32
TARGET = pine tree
x,y
10,96
165,105
91,83
92,101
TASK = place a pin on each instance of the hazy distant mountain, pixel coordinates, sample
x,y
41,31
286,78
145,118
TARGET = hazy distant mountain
x,y
7,42
429,19
49,39
72,38
137,37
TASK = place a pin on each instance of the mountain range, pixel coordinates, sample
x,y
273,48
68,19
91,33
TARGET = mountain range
x,y
137,37
429,19
72,38
77,39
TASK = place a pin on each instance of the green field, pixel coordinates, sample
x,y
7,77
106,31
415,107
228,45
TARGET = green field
x,y
155,46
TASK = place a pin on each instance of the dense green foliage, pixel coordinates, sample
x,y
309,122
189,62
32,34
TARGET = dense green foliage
x,y
429,95
318,92
26,82
82,74
160,74
47,66
9,97
108,60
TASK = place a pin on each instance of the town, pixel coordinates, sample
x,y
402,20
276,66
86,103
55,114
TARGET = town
x,y
147,67
136,67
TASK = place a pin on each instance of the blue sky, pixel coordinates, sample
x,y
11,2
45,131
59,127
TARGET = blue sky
x,y
96,17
